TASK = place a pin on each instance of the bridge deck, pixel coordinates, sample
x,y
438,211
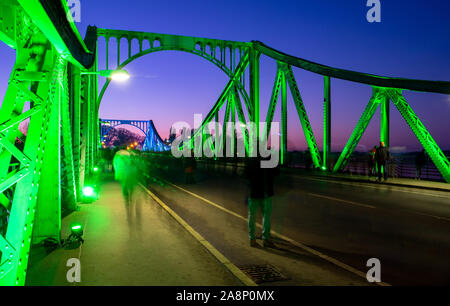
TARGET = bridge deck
x,y
160,252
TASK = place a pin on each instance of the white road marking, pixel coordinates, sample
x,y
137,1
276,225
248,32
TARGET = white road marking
x,y
382,187
371,206
340,200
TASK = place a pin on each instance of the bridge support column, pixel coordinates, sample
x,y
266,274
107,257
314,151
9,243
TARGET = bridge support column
x,y
385,114
75,97
284,149
48,206
326,123
254,98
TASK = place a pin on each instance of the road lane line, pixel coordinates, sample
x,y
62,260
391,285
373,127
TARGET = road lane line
x,y
380,208
340,200
292,241
367,185
241,276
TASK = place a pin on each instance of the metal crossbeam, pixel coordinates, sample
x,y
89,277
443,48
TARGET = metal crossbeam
x,y
307,130
375,100
437,156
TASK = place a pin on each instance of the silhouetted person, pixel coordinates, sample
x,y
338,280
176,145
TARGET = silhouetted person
x,y
421,160
308,160
381,157
260,183
190,164
371,161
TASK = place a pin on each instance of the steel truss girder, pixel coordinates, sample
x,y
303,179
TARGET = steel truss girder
x,y
226,121
69,189
307,130
326,122
193,45
223,96
273,101
279,86
23,208
188,43
437,156
374,102
242,121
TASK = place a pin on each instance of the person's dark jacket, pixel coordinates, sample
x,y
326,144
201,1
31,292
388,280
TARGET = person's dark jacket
x,y
260,180
421,159
382,154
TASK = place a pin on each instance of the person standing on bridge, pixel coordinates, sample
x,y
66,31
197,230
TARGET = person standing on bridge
x,y
371,161
421,160
260,183
382,157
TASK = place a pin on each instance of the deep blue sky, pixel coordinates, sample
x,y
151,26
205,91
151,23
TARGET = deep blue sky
x,y
411,41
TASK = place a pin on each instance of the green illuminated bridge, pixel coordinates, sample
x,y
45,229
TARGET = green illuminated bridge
x,y
54,84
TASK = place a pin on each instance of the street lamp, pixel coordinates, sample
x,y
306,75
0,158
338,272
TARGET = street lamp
x,y
115,75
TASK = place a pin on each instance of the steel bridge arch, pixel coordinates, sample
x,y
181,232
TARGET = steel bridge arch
x,y
197,52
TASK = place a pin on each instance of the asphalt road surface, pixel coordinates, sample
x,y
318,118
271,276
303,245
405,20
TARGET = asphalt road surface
x,y
407,229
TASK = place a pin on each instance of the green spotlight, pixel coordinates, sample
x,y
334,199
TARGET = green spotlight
x,y
95,169
88,191
76,236
77,229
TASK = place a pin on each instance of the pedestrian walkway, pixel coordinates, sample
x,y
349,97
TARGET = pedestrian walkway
x,y
156,252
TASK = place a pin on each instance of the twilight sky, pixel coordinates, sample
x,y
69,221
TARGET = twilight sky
x,y
412,41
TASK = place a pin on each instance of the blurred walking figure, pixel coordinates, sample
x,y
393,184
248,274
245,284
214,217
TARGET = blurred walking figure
x,y
260,183
127,173
381,157
371,162
421,160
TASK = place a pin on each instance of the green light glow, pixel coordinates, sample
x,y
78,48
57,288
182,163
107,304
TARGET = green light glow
x,y
95,169
88,191
76,227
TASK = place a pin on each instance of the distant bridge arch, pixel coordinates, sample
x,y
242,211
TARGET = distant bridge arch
x,y
153,141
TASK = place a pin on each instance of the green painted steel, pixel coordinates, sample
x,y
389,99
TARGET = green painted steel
x,y
377,96
437,156
273,102
43,170
44,179
385,122
307,130
284,134
326,122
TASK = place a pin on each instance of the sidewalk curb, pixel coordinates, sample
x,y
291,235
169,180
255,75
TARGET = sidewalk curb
x,y
241,276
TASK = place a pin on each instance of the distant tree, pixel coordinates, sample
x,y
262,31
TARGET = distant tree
x,y
118,137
